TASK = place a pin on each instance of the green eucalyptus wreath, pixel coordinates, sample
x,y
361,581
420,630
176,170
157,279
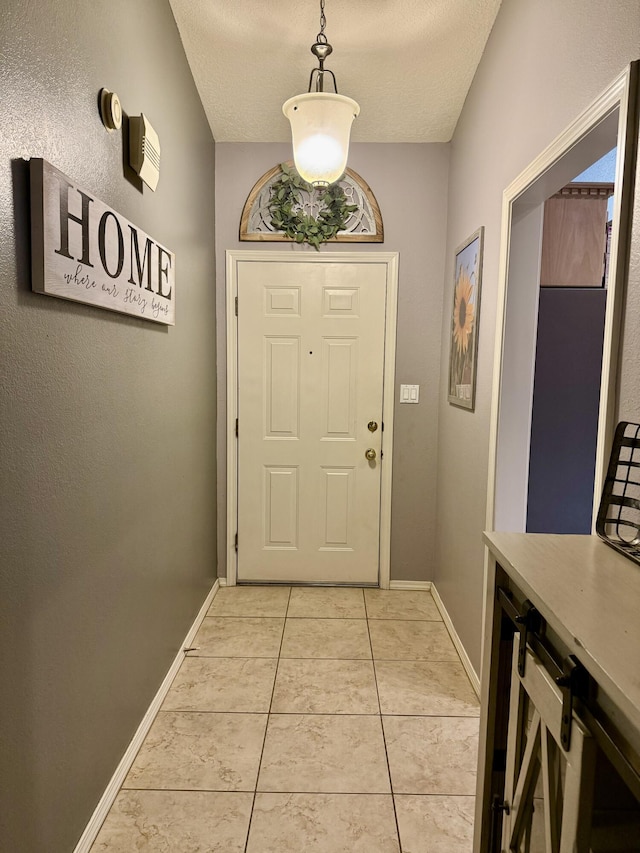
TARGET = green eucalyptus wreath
x,y
285,207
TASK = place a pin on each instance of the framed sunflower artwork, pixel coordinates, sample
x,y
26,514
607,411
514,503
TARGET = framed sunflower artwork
x,y
465,317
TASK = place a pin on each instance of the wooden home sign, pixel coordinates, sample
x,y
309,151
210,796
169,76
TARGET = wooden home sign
x,y
84,251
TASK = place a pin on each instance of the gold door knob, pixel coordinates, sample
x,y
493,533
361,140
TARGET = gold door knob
x,y
372,426
370,453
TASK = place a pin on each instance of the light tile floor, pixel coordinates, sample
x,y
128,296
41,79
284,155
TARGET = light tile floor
x,y
319,719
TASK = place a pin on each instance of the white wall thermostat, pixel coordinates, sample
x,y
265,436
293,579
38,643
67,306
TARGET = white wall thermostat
x,y
144,150
110,110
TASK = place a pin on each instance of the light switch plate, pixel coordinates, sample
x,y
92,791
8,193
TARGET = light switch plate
x,y
409,393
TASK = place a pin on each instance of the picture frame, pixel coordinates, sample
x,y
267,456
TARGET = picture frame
x,y
465,317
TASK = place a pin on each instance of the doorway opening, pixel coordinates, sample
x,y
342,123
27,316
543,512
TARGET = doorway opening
x,y
516,448
576,239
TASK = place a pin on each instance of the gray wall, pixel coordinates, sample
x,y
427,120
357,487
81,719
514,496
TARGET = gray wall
x,y
564,420
107,481
410,184
544,63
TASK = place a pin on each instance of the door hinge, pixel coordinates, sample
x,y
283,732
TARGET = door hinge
x,y
236,304
498,805
236,543
236,427
498,809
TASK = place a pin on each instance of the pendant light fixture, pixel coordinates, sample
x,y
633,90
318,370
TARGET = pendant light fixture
x,y
321,121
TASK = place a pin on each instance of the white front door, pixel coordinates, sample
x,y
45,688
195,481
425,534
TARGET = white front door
x,y
311,347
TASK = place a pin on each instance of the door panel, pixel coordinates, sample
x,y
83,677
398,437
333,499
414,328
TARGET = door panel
x,y
281,507
282,387
340,362
338,507
310,378
548,789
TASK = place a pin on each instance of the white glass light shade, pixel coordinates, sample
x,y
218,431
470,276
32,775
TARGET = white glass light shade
x,y
320,127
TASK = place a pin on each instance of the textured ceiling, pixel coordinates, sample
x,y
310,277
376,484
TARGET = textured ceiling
x,y
408,63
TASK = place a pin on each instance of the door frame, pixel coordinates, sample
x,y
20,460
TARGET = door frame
x,y
520,202
390,261
534,185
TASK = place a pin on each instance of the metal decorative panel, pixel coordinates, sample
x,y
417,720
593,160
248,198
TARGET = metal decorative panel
x,y
619,514
363,226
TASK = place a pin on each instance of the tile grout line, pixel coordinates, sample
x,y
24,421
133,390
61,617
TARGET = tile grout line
x,y
314,793
322,713
266,728
356,660
384,739
306,713
278,658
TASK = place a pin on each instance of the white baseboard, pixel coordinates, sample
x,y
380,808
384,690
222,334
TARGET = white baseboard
x,y
111,792
457,642
423,585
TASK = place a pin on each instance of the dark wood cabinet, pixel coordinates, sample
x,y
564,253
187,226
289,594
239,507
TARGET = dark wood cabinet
x,y
559,758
